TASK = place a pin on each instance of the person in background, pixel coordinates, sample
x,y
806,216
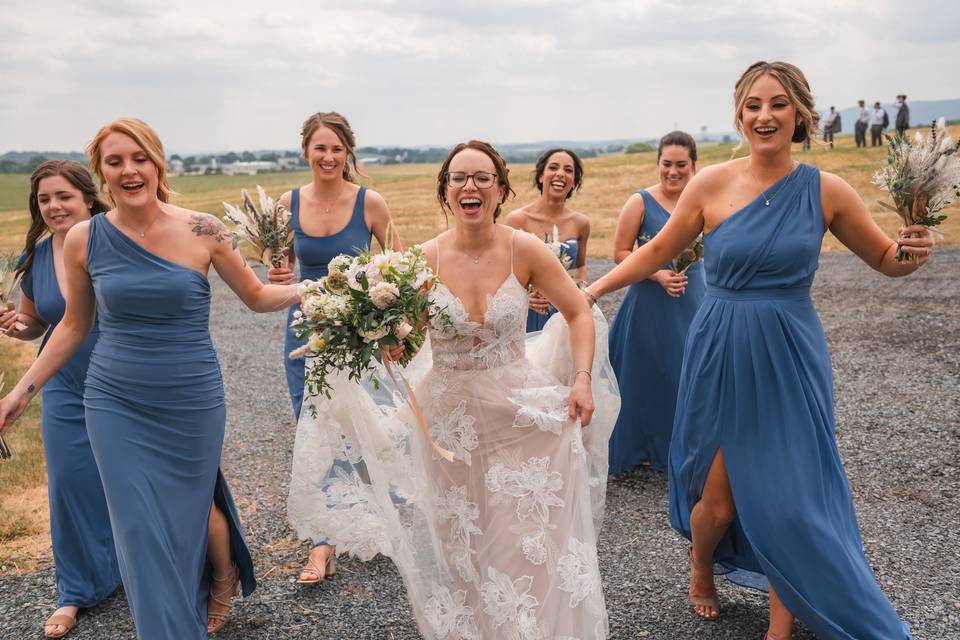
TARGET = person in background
x,y
860,127
557,175
903,116
331,215
878,122
62,194
831,125
647,335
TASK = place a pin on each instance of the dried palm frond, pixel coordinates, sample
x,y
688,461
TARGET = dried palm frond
x,y
264,231
922,176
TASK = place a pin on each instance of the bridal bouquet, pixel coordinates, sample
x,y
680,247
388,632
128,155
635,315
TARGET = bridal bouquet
x,y
559,248
365,302
8,281
922,177
266,231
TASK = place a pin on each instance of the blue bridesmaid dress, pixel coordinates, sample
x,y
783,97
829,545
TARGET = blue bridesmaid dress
x,y
646,351
314,253
757,384
536,321
155,414
83,553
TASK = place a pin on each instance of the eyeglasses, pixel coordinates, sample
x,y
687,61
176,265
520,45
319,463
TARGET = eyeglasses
x,y
481,179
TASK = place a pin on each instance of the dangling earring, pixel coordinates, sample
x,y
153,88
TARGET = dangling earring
x,y
800,132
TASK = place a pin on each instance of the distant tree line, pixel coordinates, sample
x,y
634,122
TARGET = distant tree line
x,y
398,155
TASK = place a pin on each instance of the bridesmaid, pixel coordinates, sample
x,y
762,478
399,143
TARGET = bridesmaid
x,y
62,194
330,216
558,173
646,337
154,397
756,480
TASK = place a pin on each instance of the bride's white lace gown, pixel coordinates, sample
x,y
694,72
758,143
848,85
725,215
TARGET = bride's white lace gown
x,y
501,542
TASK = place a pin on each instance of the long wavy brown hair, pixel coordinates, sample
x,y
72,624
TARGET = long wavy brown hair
x,y
78,176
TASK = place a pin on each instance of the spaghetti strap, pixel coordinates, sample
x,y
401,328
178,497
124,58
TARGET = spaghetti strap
x,y
512,236
436,242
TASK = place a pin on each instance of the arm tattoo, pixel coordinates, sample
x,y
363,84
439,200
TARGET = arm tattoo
x,y
205,224
31,388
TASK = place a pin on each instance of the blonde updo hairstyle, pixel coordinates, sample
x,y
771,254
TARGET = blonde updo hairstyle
x,y
798,92
339,125
145,138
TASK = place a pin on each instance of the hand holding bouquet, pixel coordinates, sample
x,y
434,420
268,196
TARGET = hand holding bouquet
x,y
922,177
365,302
266,231
8,284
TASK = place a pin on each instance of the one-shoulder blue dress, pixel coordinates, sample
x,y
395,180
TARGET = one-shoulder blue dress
x,y
646,351
83,553
314,253
155,414
757,384
536,321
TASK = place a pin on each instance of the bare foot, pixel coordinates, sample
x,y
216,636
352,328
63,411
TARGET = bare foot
x,y
60,630
703,592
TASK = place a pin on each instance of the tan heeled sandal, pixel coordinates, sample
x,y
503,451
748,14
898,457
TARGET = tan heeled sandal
x,y
329,568
223,597
68,622
702,601
769,635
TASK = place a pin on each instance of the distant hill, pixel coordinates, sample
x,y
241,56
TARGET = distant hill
x,y
26,156
922,112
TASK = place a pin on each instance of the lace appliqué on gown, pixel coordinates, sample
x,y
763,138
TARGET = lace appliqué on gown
x,y
501,541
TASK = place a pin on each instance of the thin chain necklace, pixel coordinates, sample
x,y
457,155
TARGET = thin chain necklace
x,y
768,199
326,209
139,233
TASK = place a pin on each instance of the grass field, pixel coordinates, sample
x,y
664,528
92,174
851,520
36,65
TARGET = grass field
x,y
409,191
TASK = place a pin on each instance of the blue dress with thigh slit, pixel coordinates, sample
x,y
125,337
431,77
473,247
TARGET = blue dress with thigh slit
x,y
757,385
155,414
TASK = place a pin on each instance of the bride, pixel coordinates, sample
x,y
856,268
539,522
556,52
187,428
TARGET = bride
x,y
493,519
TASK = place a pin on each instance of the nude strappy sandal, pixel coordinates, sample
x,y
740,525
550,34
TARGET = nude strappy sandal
x,y
329,569
66,621
224,597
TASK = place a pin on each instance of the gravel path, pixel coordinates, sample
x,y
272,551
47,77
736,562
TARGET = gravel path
x,y
898,428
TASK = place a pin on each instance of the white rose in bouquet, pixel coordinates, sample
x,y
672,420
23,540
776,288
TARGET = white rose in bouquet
x,y
340,264
372,335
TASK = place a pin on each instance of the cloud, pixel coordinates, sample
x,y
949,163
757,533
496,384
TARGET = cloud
x,y
244,74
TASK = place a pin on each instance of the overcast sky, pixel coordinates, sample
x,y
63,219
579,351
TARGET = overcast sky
x,y
212,76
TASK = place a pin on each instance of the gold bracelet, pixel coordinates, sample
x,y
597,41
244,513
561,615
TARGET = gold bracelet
x,y
593,298
586,371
